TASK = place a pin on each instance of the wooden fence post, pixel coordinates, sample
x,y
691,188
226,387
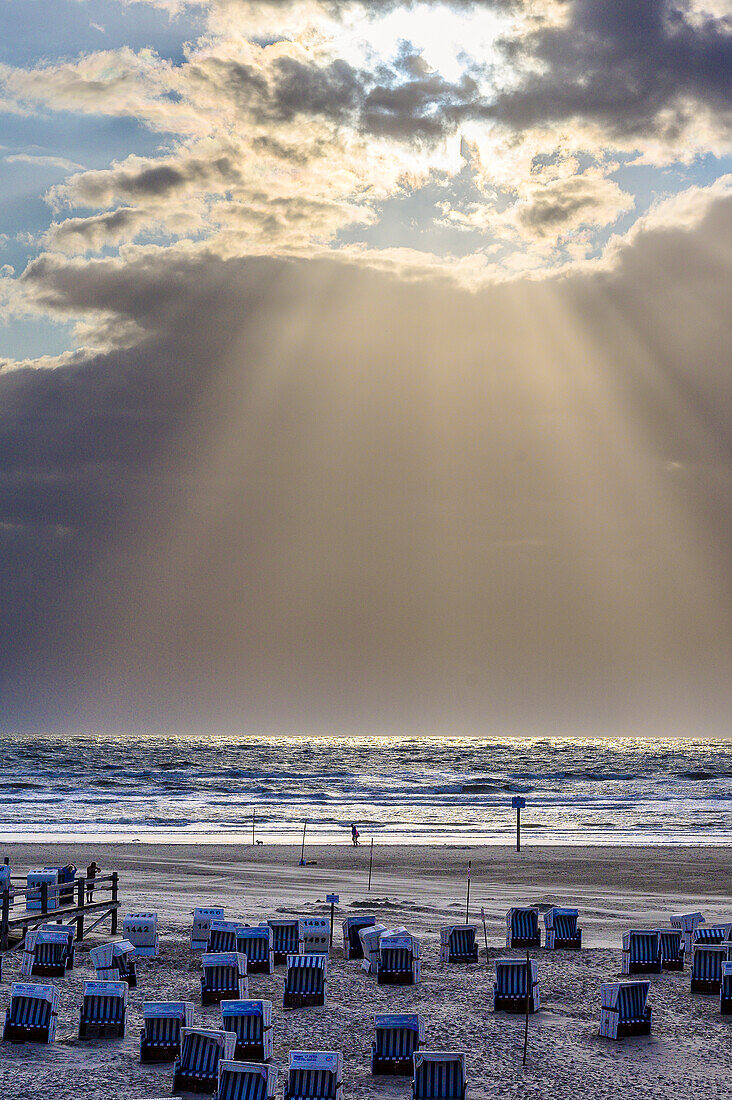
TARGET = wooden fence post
x,y
115,880
4,932
44,897
80,898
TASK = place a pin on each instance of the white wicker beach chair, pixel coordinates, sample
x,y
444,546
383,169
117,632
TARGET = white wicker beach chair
x,y
201,929
33,1013
315,935
439,1075
285,938
306,981
46,954
398,959
397,1039
68,930
725,991
256,944
34,881
103,1010
141,929
223,934
509,988
641,951
115,962
561,931
246,1081
251,1022
672,949
457,943
624,1010
522,927
314,1075
160,1036
687,923
706,966
369,938
224,977
713,933
352,946
201,1050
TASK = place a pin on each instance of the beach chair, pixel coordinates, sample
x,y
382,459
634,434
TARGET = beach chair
x,y
687,923
457,943
398,959
141,930
160,1036
115,962
314,1075
672,949
439,1074
103,1010
45,954
32,1015
713,933
397,1039
706,967
68,930
202,917
624,1010
369,938
197,1067
34,881
352,946
509,988
725,990
256,944
522,927
561,931
251,1022
222,936
285,938
246,1081
224,977
641,952
306,980
315,935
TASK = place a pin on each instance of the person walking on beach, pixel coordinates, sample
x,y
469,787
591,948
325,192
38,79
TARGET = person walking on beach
x,y
354,835
91,873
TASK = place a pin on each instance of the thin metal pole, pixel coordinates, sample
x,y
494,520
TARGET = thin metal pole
x,y
485,930
467,899
371,861
254,815
302,850
518,828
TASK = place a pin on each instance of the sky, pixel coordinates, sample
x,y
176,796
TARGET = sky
x,y
364,367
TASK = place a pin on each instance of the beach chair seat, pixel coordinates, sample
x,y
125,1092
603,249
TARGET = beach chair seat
x,y
103,1010
522,927
439,1075
201,928
256,944
251,1022
706,966
624,1010
458,943
246,1081
115,962
46,953
285,938
397,1039
160,1036
713,933
197,1067
141,930
224,977
223,934
398,959
69,931
509,988
352,946
369,937
314,1075
725,990
306,981
33,1013
315,935
672,949
561,931
641,951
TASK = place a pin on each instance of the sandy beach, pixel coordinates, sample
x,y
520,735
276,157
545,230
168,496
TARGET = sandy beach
x,y
423,888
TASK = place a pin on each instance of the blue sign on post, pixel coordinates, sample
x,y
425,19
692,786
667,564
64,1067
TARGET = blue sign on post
x,y
517,802
333,898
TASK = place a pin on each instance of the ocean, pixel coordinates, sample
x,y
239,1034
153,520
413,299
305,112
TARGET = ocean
x,y
428,790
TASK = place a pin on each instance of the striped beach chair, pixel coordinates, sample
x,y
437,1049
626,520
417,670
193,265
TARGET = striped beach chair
x,y
68,930
397,1039
32,1015
641,951
251,1022
672,949
115,962
315,935
103,1010
224,977
439,1075
398,959
713,933
522,927
246,1081
201,1050
687,923
369,938
561,931
706,967
509,988
256,944
223,934
725,991
201,929
314,1075
306,980
624,1010
45,954
285,938
141,930
352,946
160,1036
457,943
34,881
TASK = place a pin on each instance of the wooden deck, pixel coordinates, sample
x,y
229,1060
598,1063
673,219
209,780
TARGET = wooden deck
x,y
73,907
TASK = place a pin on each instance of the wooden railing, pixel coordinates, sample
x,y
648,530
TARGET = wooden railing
x,y
74,902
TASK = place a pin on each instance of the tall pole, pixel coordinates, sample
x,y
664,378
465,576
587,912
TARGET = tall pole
x,y
254,815
467,899
518,828
485,930
302,850
371,861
